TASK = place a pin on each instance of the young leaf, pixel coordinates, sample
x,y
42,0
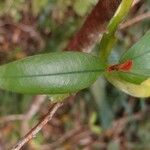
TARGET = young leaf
x,y
142,90
54,73
139,55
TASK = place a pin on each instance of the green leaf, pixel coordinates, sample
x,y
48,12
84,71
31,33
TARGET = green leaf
x,y
141,90
139,54
53,73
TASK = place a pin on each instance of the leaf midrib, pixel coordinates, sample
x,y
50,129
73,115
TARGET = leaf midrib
x,y
55,74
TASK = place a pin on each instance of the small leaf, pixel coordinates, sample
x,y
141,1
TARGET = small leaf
x,y
54,73
142,90
139,54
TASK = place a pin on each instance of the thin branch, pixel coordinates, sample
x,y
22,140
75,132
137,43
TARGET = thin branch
x,y
32,133
135,20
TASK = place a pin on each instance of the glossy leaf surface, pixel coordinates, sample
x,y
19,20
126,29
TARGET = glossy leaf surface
x,y
53,73
139,54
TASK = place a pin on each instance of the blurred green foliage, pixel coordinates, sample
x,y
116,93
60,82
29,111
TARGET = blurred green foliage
x,y
56,21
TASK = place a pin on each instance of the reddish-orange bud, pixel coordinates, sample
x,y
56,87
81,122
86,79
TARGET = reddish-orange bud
x,y
126,66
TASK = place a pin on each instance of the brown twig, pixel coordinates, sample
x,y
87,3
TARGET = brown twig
x,y
135,20
32,133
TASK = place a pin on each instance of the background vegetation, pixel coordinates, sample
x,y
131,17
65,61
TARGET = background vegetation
x,y
100,117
